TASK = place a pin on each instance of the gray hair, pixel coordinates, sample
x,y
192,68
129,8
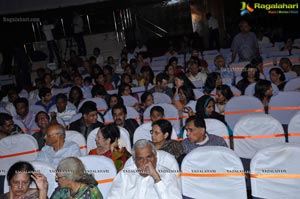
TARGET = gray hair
x,y
73,169
61,130
142,143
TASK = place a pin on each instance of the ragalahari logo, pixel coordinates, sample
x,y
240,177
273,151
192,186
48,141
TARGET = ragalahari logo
x,y
246,9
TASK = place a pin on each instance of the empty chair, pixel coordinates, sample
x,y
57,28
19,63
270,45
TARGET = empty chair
x,y
101,104
129,100
103,169
20,147
284,105
161,98
78,138
292,85
171,114
239,106
275,172
254,132
294,128
213,172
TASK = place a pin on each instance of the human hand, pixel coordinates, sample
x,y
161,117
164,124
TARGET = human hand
x,y
189,111
150,170
41,181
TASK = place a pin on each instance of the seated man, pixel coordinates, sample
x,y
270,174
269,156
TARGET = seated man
x,y
7,126
88,121
145,179
195,73
56,147
162,85
42,120
46,98
24,115
197,135
119,113
63,109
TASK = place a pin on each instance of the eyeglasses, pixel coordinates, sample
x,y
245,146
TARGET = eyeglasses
x,y
51,135
155,132
58,177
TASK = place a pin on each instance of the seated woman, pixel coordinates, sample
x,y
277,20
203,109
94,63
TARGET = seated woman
x,y
75,96
107,142
286,65
212,81
102,80
278,78
250,75
186,94
74,181
125,90
264,92
223,95
19,177
146,101
161,138
147,77
180,80
170,71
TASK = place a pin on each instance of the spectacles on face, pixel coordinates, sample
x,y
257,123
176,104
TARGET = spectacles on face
x,y
154,132
51,135
58,177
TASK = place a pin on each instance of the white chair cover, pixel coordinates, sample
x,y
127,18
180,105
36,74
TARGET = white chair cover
x,y
216,127
292,85
143,132
284,105
36,108
125,139
91,140
108,118
138,90
213,172
56,91
78,138
254,132
161,98
171,114
198,84
192,105
129,100
103,170
14,148
133,114
239,106
294,128
198,93
101,104
275,172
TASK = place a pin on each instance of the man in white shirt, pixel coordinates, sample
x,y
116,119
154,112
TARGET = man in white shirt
x,y
52,47
56,147
194,73
145,179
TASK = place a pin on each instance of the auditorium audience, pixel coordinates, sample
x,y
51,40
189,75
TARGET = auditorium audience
x,y
250,74
223,95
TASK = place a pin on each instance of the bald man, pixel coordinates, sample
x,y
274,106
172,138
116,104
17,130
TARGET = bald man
x,y
56,147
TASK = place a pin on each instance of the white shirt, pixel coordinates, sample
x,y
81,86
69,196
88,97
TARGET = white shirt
x,y
213,23
100,60
47,29
78,24
199,77
142,49
47,154
130,184
67,114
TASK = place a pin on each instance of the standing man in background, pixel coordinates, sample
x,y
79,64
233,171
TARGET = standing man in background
x,y
214,36
78,34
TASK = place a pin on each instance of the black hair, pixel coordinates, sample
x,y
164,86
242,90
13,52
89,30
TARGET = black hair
x,y
261,87
119,98
278,71
75,88
88,107
145,96
225,91
21,100
160,77
122,88
199,122
188,92
123,78
19,167
119,106
172,59
61,96
98,90
210,83
244,73
41,112
4,117
186,80
165,127
157,109
110,131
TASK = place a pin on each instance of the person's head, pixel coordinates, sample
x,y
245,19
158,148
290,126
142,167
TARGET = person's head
x,y
133,63
108,70
147,99
70,170
96,69
244,26
212,81
124,62
115,99
276,75
98,91
47,77
205,106
78,81
96,51
42,120
100,78
263,88
250,71
186,94
124,90
170,70
12,94
87,81
223,94
219,61
147,73
161,131
286,64
144,153
89,112
45,94
6,123
22,106
18,178
258,62
129,69
157,113
173,61
193,67
162,81
195,129
126,78
119,113
208,15
61,102
108,137
181,79
110,60
55,135
75,94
